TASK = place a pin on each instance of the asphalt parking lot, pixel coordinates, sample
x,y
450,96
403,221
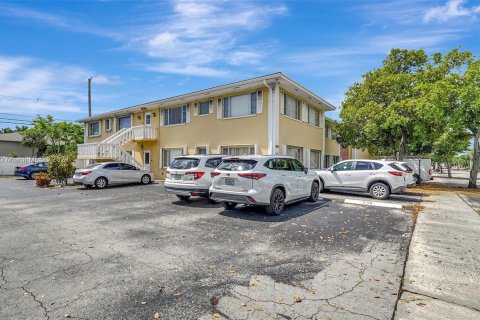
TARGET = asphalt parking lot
x,y
133,252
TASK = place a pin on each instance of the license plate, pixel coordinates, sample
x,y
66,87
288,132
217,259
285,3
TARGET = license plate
x,y
229,182
176,176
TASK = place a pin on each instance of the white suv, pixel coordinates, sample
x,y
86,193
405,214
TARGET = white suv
x,y
269,181
374,176
190,175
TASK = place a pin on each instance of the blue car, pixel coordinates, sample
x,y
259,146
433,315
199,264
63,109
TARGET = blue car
x,y
30,170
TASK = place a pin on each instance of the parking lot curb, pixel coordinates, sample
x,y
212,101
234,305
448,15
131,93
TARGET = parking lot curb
x,y
374,203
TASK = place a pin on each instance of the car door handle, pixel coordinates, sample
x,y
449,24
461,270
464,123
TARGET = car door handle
x,y
372,174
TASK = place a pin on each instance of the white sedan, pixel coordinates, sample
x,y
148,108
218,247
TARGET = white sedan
x,y
103,174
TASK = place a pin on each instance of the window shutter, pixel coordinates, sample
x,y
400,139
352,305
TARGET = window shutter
x,y
160,159
219,108
284,149
162,118
210,106
282,102
304,111
188,113
259,101
195,109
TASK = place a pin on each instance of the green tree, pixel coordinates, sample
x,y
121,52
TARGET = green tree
x,y
449,145
6,130
34,138
60,137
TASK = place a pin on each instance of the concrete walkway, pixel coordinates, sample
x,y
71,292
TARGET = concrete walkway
x,y
442,275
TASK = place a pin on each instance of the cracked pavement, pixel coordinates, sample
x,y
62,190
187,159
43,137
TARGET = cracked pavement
x,y
129,252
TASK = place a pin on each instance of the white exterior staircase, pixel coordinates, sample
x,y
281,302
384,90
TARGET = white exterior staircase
x,y
111,147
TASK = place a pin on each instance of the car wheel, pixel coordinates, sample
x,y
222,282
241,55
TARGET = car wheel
x,y
183,198
229,205
380,191
32,176
277,203
101,183
314,192
146,179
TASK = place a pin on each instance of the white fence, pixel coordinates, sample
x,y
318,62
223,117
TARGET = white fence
x,y
8,164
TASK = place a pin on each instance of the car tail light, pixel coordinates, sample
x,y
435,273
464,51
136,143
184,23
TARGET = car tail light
x,y
250,199
214,174
396,173
22,168
254,176
84,173
196,175
430,171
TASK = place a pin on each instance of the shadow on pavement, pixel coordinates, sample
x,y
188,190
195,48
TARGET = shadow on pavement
x,y
257,213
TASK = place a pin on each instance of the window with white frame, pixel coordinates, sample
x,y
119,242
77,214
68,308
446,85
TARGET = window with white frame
x,y
201,150
295,152
313,116
124,122
238,150
107,125
94,129
175,115
204,108
241,105
333,134
169,154
315,159
291,107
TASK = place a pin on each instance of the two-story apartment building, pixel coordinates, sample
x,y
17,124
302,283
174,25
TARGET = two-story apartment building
x,y
267,115
334,152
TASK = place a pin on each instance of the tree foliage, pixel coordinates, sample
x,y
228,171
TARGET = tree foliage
x,y
61,167
58,137
448,145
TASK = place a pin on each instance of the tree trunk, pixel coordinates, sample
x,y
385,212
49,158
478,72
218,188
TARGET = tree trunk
x,y
401,151
449,171
472,183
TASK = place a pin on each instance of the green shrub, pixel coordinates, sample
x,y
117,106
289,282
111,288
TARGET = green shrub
x,y
61,167
12,154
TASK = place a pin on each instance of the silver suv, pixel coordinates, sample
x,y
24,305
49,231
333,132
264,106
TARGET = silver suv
x,y
269,181
377,177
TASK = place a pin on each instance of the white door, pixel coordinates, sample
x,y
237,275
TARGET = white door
x,y
340,176
361,175
148,118
147,160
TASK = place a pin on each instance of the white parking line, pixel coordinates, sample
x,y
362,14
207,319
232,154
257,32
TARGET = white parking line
x,y
374,203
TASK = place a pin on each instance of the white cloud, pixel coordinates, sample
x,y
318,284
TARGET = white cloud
x,y
199,36
30,86
452,9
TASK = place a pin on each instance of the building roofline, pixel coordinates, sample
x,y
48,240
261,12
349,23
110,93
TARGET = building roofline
x,y
209,91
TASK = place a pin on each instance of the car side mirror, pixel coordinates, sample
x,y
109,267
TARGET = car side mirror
x,y
305,170
332,169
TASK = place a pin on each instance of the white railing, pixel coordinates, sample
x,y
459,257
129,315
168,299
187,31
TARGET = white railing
x,y
110,148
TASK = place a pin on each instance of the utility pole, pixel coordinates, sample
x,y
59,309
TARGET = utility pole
x,y
89,97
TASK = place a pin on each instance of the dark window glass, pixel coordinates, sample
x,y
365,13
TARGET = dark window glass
x,y
343,166
237,164
363,165
185,163
112,166
270,164
203,107
297,166
377,165
213,163
396,167
283,164
126,166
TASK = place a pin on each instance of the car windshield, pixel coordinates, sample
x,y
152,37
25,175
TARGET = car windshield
x,y
94,165
185,163
237,165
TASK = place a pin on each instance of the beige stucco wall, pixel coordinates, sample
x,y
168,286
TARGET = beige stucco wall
x,y
332,147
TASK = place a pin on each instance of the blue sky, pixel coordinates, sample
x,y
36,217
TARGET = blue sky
x,y
139,51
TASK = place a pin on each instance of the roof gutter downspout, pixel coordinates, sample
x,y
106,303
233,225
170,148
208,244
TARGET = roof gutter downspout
x,y
271,122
